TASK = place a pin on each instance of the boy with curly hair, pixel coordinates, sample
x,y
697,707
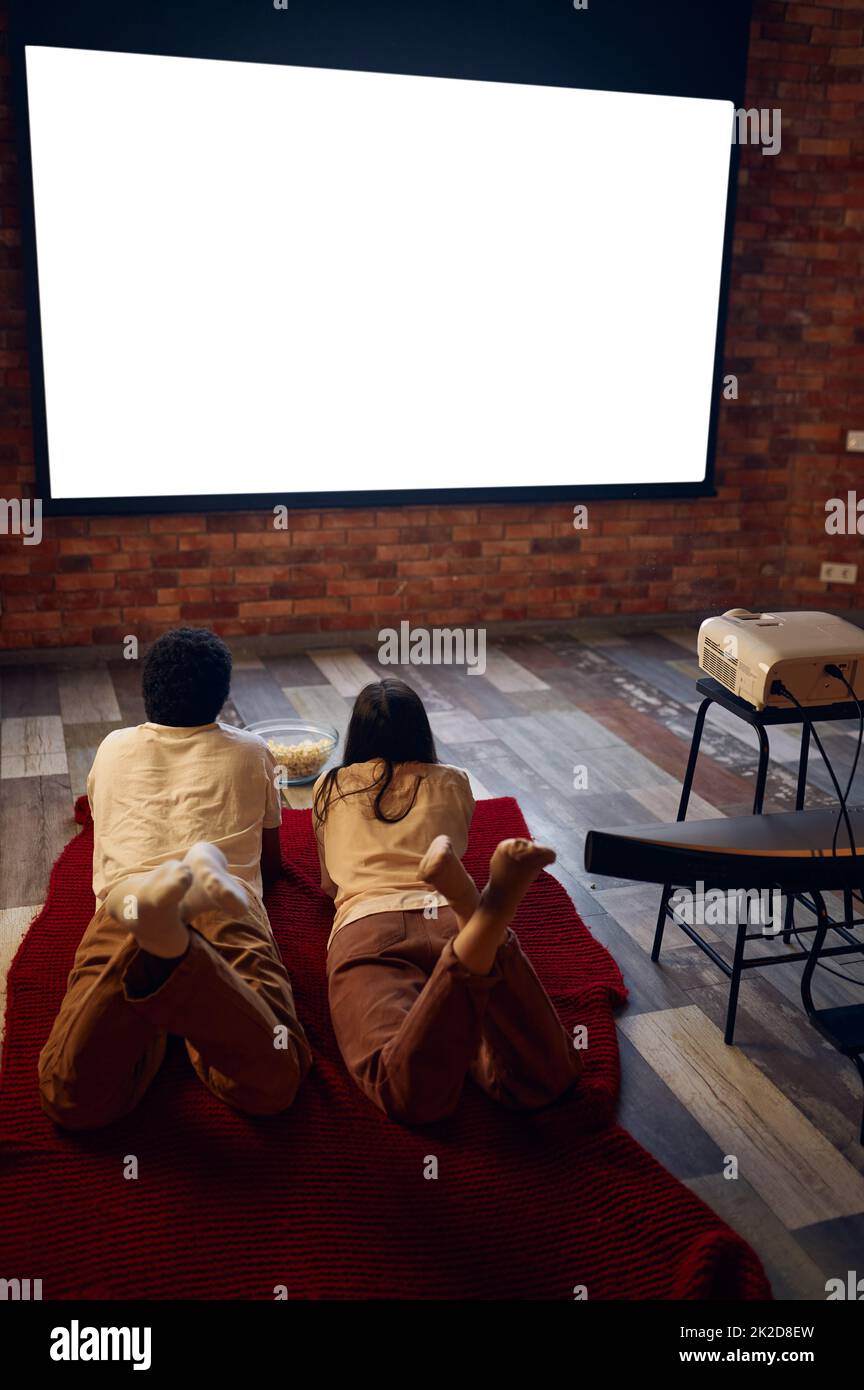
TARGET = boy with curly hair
x,y
186,818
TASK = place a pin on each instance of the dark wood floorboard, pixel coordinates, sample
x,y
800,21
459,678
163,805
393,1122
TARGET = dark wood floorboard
x,y
26,691
36,821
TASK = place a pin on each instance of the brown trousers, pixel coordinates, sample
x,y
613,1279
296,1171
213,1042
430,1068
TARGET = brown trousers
x,y
227,997
412,1022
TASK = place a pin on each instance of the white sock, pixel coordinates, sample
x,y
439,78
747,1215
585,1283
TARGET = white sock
x,y
213,886
148,905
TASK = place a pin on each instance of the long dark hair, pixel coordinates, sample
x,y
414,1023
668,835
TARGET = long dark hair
x,y
388,724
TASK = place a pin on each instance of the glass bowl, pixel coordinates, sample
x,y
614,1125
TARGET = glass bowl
x,y
300,746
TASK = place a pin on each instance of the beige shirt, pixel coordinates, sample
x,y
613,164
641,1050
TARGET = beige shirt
x,y
374,863
155,791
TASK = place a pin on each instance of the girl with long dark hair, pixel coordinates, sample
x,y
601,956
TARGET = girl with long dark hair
x,y
427,984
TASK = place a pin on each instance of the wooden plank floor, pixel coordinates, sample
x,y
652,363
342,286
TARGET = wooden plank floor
x,y
585,726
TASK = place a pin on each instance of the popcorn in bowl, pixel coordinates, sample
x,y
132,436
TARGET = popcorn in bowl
x,y
304,759
301,748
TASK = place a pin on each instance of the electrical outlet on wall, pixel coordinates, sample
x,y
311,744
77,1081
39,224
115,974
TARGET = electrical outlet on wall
x,y
838,574
855,441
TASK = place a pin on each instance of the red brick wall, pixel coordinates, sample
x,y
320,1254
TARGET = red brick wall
x,y
795,340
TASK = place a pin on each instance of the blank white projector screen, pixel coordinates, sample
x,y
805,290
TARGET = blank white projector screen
x,y
269,279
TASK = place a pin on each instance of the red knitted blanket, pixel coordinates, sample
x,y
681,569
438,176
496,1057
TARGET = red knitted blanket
x,y
331,1199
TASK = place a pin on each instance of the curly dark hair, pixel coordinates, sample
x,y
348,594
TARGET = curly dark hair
x,y
186,677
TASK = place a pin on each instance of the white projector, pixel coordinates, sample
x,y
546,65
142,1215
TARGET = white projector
x,y
748,652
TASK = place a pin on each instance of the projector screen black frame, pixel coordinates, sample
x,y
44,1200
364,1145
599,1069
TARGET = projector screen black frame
x,y
482,39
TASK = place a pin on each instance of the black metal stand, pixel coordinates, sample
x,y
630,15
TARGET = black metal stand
x,y
760,720
843,1027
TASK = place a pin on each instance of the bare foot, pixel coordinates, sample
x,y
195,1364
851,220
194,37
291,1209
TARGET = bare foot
x,y
441,867
148,905
213,885
512,869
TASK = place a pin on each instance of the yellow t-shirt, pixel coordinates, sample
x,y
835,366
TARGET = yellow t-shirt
x,y
374,863
156,790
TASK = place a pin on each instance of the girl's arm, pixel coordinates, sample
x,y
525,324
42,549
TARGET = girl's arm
x,y
327,884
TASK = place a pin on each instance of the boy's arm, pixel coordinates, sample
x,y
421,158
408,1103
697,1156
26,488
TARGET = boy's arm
x,y
468,802
271,853
271,857
91,781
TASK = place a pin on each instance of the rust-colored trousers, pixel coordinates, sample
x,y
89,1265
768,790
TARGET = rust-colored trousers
x,y
412,1022
227,997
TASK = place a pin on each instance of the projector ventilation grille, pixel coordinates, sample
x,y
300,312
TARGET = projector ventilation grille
x,y
717,664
